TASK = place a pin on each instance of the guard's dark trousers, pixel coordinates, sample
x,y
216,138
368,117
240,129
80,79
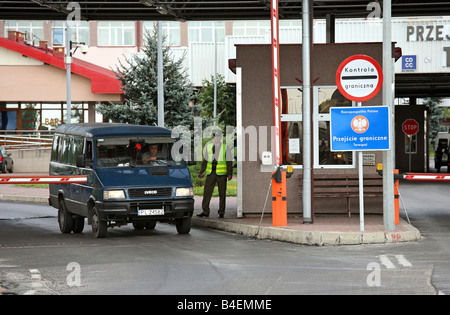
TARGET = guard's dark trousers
x,y
211,181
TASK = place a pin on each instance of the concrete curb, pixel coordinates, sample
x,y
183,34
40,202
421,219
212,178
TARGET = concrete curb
x,y
313,238
27,199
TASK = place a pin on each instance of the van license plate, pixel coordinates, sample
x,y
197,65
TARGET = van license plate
x,y
150,212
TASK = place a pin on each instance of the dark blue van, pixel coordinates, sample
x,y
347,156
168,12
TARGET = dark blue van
x,y
132,178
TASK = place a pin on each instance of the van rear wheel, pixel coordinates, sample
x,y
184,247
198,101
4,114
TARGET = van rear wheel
x,y
78,224
65,218
98,227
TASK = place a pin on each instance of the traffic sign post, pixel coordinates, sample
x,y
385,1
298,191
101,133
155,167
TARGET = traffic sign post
x,y
359,78
410,128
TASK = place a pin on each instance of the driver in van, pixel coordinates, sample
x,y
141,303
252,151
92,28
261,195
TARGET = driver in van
x,y
151,154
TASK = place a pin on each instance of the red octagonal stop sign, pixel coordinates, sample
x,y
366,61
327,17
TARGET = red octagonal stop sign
x,y
410,127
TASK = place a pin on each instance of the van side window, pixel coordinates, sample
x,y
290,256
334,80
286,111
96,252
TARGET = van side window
x,y
54,155
66,150
77,148
88,153
60,149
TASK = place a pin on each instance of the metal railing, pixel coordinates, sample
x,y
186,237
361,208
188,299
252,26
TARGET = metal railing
x,y
19,140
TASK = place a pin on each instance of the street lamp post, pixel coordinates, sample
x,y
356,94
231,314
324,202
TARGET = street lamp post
x,y
68,62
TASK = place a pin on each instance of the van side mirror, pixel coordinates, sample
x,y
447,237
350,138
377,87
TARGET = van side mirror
x,y
81,160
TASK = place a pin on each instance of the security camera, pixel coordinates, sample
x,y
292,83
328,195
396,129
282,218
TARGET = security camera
x,y
84,49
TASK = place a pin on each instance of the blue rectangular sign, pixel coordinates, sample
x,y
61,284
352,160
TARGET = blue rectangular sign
x,y
360,128
409,62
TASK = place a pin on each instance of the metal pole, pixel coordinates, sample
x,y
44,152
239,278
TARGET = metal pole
x,y
215,74
306,50
361,187
160,78
388,156
68,73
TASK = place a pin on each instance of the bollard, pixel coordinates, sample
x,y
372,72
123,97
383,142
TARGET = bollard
x,y
396,199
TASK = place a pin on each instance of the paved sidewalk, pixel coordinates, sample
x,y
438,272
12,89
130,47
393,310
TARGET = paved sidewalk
x,y
333,229
327,229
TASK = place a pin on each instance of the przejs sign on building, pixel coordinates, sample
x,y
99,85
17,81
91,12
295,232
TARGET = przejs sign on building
x,y
359,78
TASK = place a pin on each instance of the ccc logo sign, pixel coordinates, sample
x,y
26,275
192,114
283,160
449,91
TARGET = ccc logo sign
x,y
409,63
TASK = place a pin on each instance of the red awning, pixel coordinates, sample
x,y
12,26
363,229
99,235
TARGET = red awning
x,y
102,80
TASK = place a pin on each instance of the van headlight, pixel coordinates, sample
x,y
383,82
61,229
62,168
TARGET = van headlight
x,y
184,192
113,194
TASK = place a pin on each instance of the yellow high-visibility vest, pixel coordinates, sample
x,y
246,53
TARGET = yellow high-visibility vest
x,y
221,168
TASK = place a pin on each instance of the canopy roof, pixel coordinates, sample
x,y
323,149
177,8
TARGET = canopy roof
x,y
208,9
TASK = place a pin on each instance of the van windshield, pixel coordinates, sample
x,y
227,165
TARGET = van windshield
x,y
136,151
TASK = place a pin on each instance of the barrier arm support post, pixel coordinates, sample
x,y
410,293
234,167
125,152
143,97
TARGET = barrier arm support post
x,y
396,197
279,208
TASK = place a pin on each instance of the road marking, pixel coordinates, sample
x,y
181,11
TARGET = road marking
x,y
403,261
6,265
35,274
386,262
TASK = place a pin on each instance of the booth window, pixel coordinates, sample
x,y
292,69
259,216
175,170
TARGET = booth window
x,y
324,99
292,127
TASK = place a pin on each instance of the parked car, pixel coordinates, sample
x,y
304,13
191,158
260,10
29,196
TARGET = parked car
x,y
6,161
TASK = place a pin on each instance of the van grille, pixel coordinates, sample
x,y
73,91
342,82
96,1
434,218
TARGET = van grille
x,y
150,192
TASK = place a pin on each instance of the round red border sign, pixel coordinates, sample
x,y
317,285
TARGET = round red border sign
x,y
359,78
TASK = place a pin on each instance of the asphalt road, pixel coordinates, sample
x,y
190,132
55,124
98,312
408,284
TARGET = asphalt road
x,y
35,258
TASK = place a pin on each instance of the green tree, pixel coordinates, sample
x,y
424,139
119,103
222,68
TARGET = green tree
x,y
436,116
139,83
226,101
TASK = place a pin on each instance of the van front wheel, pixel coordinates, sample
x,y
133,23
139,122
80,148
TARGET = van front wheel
x,y
98,227
183,225
65,218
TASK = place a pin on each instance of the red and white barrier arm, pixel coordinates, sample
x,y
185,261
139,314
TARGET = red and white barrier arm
x,y
43,179
426,177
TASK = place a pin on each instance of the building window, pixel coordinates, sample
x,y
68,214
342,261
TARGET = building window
x,y
79,32
116,33
171,31
206,32
34,30
251,28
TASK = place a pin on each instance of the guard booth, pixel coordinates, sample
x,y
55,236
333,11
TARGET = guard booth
x,y
256,114
411,151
